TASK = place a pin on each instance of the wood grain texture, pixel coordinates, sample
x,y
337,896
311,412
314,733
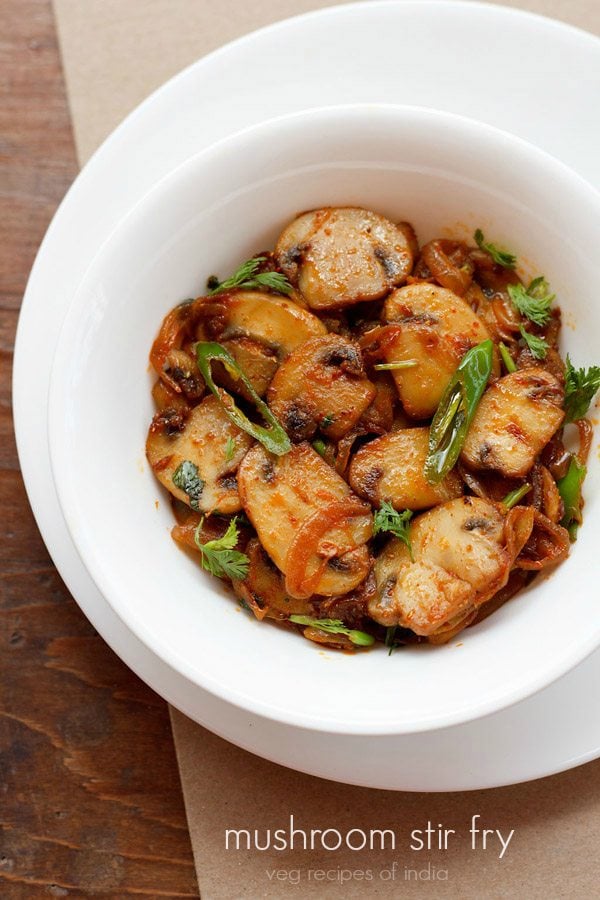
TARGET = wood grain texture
x,y
90,800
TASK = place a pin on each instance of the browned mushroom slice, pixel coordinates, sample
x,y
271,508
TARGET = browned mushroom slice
x,y
340,256
435,330
460,560
180,373
209,441
515,419
175,329
263,588
323,385
378,418
547,544
275,322
166,398
308,520
391,468
258,363
449,264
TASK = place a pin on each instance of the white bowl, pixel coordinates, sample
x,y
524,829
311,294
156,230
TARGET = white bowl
x,y
444,174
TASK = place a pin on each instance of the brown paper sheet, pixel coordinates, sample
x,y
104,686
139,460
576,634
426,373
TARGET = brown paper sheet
x,y
553,852
116,52
114,55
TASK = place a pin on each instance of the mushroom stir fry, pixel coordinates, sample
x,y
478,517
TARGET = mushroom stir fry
x,y
364,436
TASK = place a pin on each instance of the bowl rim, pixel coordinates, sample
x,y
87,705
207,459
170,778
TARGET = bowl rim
x,y
58,458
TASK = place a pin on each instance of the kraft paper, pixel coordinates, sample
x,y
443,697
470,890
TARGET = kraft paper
x,y
114,54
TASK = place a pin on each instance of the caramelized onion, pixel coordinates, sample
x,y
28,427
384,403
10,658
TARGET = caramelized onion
x,y
548,544
555,457
517,529
172,334
473,482
344,449
506,317
451,629
552,504
375,342
517,580
451,276
305,544
586,436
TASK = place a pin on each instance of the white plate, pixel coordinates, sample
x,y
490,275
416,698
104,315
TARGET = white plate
x,y
406,162
510,82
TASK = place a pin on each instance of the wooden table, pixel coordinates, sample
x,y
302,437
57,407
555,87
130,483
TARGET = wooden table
x,y
90,796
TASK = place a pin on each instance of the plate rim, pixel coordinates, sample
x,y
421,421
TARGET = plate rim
x,y
124,127
59,448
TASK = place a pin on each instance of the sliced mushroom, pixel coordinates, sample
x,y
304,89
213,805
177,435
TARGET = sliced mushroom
x,y
340,256
391,468
514,421
461,559
180,373
321,385
175,329
435,328
166,398
276,322
310,523
256,361
263,589
209,440
379,416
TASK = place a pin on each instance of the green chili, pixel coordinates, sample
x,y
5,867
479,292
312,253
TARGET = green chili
x,y
273,437
456,410
569,488
509,363
320,446
515,496
399,364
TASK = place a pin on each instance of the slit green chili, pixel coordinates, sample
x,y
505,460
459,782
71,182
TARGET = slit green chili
x,y
456,410
272,437
569,488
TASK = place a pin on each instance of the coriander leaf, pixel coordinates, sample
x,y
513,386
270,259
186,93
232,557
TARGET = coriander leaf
x,y
249,278
539,288
327,421
219,557
537,345
501,257
580,387
335,626
230,448
534,302
386,518
186,477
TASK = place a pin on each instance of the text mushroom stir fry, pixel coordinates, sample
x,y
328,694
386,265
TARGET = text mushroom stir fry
x,y
365,436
